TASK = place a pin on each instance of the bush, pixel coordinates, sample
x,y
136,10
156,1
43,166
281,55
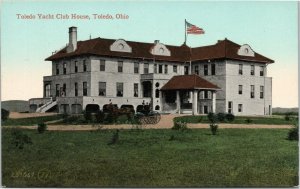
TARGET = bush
x,y
248,120
294,133
87,116
211,117
180,126
19,139
213,128
287,116
42,127
100,116
230,117
4,114
221,117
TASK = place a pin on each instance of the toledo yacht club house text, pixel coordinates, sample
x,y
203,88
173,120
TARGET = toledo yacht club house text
x,y
70,16
223,77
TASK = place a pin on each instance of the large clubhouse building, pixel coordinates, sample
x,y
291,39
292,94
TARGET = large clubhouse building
x,y
224,77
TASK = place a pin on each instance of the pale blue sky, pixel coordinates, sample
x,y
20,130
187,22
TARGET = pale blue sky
x,y
270,28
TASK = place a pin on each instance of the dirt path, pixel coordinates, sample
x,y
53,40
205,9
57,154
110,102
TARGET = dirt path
x,y
17,115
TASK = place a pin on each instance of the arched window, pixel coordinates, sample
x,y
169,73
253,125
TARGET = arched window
x,y
157,107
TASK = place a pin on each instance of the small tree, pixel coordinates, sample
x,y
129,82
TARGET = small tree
x,y
4,114
230,117
294,133
100,116
42,127
213,123
287,116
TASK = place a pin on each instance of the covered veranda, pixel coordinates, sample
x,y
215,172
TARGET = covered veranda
x,y
183,93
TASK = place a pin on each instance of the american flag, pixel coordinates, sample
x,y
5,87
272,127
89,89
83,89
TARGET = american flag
x,y
192,29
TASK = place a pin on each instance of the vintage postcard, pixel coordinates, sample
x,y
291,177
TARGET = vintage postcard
x,y
149,94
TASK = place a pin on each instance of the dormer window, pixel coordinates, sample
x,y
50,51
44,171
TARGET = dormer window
x,y
161,50
121,46
245,50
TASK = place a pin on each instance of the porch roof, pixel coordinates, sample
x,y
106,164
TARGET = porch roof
x,y
188,82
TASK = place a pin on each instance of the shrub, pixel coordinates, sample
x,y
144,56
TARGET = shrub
x,y
4,114
211,117
213,128
87,116
172,137
221,117
42,127
248,120
294,133
19,139
200,119
287,116
180,126
114,138
100,116
230,117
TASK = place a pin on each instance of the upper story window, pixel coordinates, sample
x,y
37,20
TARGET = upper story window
x,y
213,69
186,70
120,66
102,65
262,70
84,88
65,68
205,94
166,69
102,89
160,68
57,68
240,69
64,90
240,89
57,90
136,90
205,69
252,72
252,91
175,68
76,66
146,68
76,89
84,65
156,93
197,70
261,92
119,89
136,67
155,68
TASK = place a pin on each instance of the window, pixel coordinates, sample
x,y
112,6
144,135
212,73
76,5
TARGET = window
x,y
205,94
175,69
119,89
120,66
84,65
261,73
57,90
76,66
240,107
261,92
229,107
205,69
102,89
156,93
146,68
160,68
136,67
186,70
252,70
166,69
76,89
64,90
240,89
252,91
64,68
240,69
197,70
102,65
157,107
156,84
57,68
155,68
136,90
84,88
213,69
47,90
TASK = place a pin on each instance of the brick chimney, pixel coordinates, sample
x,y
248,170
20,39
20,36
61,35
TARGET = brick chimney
x,y
72,46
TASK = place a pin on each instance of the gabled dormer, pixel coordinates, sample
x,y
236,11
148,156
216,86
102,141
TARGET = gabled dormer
x,y
120,45
245,50
160,49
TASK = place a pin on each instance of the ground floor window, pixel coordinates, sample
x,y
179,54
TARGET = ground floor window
x,y
84,88
136,90
205,109
240,107
47,90
57,90
230,107
170,96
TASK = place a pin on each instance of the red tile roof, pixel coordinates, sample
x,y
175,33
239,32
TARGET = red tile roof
x,y
224,49
188,82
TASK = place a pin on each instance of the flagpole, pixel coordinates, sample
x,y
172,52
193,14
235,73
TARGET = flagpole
x,y
184,31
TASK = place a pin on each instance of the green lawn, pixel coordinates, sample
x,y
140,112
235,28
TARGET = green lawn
x,y
146,158
275,120
31,120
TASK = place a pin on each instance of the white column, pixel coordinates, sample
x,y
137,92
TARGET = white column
x,y
214,101
195,102
178,102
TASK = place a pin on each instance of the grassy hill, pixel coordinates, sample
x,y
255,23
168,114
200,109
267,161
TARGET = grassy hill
x,y
284,110
15,105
